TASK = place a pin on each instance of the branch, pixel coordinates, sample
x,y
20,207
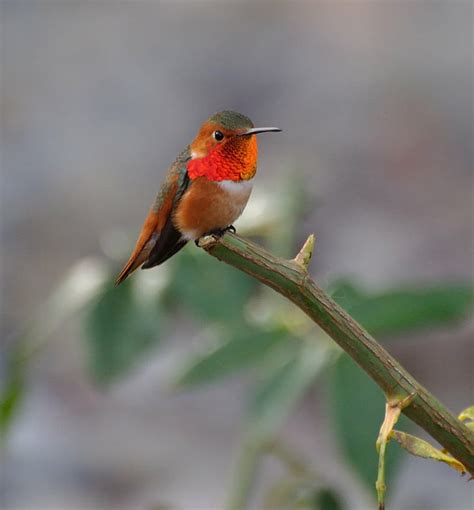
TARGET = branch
x,y
291,279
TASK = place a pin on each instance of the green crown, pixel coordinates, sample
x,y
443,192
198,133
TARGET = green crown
x,y
231,120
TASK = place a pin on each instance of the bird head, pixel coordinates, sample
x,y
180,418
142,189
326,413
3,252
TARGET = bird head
x,y
225,148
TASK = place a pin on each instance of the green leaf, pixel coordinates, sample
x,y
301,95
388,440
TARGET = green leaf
x,y
211,291
120,329
421,448
10,401
301,494
357,407
12,392
406,309
245,347
327,499
277,395
346,293
467,414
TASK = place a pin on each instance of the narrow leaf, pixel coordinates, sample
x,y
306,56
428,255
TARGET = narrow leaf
x,y
279,393
327,499
301,494
357,409
10,400
208,290
244,348
421,448
406,309
120,329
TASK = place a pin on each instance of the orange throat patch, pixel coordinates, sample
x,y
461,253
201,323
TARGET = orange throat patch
x,y
234,160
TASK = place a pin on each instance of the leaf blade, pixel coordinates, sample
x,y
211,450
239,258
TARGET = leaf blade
x,y
210,291
351,391
276,396
406,309
244,348
120,329
421,448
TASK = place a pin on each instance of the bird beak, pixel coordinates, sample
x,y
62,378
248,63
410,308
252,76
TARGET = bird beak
x,y
254,131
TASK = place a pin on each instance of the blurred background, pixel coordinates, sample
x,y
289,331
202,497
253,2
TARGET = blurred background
x,y
190,387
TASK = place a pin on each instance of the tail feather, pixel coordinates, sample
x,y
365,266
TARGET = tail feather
x,y
157,259
157,249
168,243
133,263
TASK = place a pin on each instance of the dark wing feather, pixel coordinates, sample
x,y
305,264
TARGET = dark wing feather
x,y
168,244
158,223
170,240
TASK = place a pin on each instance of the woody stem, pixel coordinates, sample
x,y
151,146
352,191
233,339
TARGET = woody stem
x,y
291,279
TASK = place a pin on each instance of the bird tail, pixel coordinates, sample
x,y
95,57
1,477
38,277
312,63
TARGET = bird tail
x,y
134,262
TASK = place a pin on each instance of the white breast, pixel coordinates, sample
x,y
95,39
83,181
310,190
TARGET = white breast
x,y
237,187
238,193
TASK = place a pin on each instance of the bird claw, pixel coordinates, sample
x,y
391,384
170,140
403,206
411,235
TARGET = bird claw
x,y
218,233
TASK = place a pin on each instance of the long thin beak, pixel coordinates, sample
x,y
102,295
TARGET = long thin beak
x,y
254,131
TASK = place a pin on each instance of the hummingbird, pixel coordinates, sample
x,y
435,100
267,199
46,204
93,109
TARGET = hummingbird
x,y
205,190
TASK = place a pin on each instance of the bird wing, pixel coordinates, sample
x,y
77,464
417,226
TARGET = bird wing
x,y
158,230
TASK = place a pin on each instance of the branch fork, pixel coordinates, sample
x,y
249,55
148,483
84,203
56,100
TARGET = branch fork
x,y
393,409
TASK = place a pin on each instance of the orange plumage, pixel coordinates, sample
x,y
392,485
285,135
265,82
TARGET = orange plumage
x,y
235,160
208,207
206,190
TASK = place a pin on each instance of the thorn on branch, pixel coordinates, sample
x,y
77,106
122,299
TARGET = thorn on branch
x,y
455,435
304,255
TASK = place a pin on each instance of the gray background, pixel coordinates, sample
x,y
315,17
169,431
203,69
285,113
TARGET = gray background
x,y
375,100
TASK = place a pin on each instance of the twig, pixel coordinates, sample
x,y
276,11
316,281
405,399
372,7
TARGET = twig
x,y
292,281
392,413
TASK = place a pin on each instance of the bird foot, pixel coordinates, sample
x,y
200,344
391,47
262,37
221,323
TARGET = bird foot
x,y
217,233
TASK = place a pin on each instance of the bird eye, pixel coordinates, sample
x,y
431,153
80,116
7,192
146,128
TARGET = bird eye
x,y
218,135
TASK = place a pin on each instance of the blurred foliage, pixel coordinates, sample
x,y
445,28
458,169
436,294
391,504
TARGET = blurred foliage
x,y
115,318
302,495
326,499
11,396
253,328
302,487
282,387
79,287
244,347
404,310
209,292
350,391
